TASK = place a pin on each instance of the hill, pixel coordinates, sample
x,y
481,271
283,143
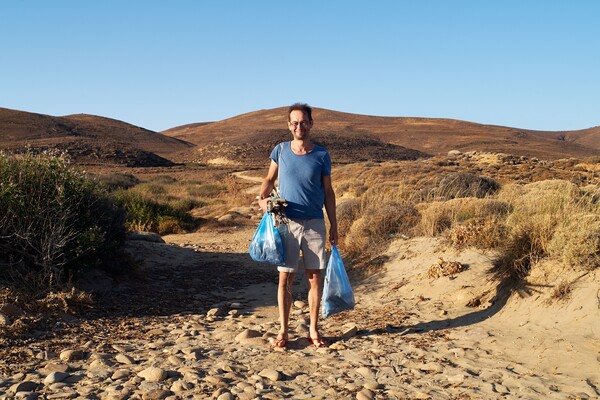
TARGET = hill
x,y
353,136
88,139
248,138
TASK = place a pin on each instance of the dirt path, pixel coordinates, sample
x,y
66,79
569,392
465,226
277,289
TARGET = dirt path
x,y
196,320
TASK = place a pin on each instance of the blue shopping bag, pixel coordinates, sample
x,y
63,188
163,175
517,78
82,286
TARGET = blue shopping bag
x,y
266,244
337,292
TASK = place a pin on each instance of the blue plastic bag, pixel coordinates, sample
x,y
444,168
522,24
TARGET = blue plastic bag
x,y
266,244
337,292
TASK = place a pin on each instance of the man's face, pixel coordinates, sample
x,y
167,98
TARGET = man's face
x,y
299,125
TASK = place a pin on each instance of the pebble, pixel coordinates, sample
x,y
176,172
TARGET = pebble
x,y
124,359
153,374
54,377
271,374
71,355
365,394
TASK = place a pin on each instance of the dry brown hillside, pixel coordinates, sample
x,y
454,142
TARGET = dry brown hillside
x,y
247,139
89,138
244,135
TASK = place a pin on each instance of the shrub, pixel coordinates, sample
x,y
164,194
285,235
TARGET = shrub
x,y
54,221
144,214
347,211
481,233
551,217
437,217
464,185
577,241
518,253
117,181
377,225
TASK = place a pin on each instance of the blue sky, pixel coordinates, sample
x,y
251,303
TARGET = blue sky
x,y
160,64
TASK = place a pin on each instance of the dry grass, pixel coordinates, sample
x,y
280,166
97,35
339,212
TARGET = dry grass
x,y
562,291
439,216
66,301
444,268
576,241
523,209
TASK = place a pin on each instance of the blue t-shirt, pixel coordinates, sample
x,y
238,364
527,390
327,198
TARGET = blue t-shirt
x,y
301,180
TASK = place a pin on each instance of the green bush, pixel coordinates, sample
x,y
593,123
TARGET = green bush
x,y
116,181
54,221
144,214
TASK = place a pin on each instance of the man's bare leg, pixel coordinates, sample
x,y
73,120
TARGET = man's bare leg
x,y
284,300
314,300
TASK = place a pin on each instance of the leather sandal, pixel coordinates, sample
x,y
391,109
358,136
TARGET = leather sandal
x,y
318,342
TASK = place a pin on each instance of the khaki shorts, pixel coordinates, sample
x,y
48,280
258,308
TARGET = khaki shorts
x,y
308,236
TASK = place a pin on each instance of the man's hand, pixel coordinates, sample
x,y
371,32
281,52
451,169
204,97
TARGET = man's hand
x,y
263,203
333,235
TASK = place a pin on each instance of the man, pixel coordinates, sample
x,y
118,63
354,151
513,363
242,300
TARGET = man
x,y
304,170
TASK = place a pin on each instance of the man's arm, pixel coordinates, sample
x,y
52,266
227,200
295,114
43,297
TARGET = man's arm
x,y
268,185
331,209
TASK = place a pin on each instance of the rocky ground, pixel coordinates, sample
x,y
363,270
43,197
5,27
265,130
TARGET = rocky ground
x,y
196,320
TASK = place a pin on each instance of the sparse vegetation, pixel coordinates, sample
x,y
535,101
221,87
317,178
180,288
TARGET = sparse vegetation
x,y
524,220
562,291
118,180
54,222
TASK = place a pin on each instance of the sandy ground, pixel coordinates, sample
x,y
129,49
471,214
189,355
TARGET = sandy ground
x,y
410,335
519,343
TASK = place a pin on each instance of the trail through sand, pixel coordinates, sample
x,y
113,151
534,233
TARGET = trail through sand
x,y
197,320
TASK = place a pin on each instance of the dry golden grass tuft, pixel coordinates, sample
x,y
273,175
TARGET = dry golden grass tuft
x,y
440,216
66,301
444,268
576,241
562,291
480,233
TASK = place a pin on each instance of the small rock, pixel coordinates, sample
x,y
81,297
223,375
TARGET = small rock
x,y
56,367
372,385
54,377
366,373
181,386
156,394
271,374
501,389
26,396
124,359
365,394
337,346
299,304
215,312
216,381
350,330
26,386
120,374
226,396
71,355
234,313
145,236
153,374
247,334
